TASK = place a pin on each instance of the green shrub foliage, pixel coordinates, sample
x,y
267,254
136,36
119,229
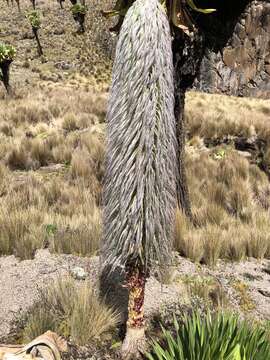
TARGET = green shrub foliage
x,y
34,19
178,12
78,9
215,337
7,53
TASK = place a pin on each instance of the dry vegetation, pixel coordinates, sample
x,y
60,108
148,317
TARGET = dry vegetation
x,y
71,309
51,163
229,188
65,50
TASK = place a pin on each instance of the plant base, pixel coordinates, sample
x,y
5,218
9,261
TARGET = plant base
x,y
134,344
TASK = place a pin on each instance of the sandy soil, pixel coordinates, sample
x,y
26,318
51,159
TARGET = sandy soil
x,y
20,280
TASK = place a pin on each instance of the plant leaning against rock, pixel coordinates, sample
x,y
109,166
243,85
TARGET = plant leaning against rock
x,y
140,166
78,12
35,22
7,55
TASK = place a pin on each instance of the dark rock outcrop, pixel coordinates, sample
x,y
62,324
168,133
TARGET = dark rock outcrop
x,y
238,64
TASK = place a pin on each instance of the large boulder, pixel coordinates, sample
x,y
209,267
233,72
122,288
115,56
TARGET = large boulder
x,y
242,66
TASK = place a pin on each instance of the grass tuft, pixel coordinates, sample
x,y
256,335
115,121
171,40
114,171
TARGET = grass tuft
x,y
72,310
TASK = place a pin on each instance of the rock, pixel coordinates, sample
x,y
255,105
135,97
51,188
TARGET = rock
x,y
243,67
48,76
55,168
246,154
78,273
63,65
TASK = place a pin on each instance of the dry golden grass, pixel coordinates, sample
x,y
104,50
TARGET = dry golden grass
x,y
64,49
207,289
51,165
51,174
229,192
218,116
70,309
232,221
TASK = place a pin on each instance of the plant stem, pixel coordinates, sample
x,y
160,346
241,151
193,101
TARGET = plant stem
x,y
187,56
40,51
5,75
134,342
136,280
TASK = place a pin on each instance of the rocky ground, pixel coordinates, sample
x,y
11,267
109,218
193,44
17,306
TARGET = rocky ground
x,y
243,287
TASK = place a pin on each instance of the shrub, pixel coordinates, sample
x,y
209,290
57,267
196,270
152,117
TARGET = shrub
x,y
7,53
79,11
208,289
219,336
34,19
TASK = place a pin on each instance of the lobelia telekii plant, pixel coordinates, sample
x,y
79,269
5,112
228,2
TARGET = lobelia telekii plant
x,y
140,186
35,22
141,159
188,47
79,11
7,55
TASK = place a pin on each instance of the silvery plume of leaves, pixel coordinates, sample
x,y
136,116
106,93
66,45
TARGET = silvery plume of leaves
x,y
139,187
7,52
217,336
178,12
34,19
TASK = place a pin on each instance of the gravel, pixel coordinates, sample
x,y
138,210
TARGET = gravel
x,y
20,281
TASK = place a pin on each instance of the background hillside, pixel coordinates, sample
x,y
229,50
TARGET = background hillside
x,y
65,51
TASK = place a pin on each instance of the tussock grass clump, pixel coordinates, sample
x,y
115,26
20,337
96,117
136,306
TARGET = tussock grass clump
x,y
72,310
31,113
20,232
226,116
18,159
207,289
231,218
4,176
29,205
77,235
70,122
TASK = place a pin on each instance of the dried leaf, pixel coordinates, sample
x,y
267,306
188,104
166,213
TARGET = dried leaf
x,y
195,8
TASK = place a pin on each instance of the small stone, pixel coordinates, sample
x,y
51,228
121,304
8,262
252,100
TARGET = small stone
x,y
246,154
78,273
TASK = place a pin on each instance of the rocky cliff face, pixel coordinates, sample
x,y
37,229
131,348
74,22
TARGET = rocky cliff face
x,y
243,66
